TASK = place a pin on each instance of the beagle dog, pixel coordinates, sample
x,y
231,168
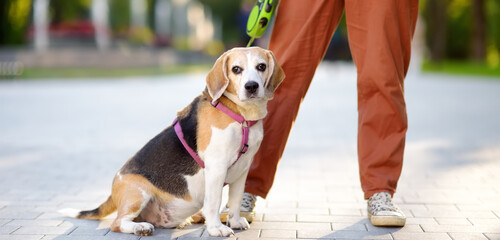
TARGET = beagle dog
x,y
164,184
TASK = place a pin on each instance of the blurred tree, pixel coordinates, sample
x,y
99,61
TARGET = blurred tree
x,y
435,15
479,36
459,32
151,13
493,33
462,29
120,16
228,12
14,20
493,16
66,11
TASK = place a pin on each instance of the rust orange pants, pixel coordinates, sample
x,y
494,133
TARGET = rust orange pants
x,y
380,34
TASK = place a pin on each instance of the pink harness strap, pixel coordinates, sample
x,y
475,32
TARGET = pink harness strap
x,y
245,130
180,135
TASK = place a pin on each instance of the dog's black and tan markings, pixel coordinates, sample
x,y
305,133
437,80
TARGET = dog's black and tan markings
x,y
162,185
164,161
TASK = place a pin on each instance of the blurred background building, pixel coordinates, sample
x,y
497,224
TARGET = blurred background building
x,y
161,33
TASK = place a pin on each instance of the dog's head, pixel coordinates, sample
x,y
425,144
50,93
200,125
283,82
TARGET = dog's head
x,y
248,74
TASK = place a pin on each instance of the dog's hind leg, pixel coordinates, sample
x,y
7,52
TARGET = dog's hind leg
x,y
132,201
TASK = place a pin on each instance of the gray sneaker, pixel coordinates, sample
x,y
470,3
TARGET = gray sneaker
x,y
246,208
383,213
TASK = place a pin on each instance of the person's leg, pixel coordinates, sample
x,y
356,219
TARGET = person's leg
x,y
380,34
300,37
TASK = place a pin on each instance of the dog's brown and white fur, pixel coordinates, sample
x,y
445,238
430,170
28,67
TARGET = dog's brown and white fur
x,y
163,186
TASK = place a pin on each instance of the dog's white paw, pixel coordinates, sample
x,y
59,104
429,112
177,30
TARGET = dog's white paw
x,y
143,229
240,223
219,231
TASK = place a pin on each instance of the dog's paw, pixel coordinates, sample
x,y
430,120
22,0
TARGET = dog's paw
x,y
198,218
185,223
219,231
240,223
144,229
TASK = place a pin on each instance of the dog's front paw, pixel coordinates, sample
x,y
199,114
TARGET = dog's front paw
x,y
219,231
240,223
143,229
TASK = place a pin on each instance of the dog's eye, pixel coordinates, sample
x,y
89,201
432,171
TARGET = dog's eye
x,y
236,70
261,67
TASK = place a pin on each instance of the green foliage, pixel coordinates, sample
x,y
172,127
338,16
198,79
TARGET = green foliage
x,y
459,31
120,22
459,27
119,15
15,17
14,20
151,13
64,10
227,11
493,21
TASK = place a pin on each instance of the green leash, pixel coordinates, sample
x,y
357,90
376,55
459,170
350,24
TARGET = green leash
x,y
259,18
250,41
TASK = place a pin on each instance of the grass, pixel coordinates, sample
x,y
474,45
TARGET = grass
x,y
461,68
68,73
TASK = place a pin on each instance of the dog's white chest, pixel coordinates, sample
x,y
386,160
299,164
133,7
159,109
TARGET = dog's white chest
x,y
225,145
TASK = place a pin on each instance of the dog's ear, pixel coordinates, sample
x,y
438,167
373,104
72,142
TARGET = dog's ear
x,y
217,78
276,75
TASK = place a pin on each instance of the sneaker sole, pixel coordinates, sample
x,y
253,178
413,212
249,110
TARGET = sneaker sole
x,y
248,215
387,221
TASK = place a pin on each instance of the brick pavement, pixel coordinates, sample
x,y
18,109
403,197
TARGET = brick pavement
x,y
62,141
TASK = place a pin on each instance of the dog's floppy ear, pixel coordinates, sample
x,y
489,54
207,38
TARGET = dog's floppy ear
x,y
217,78
276,75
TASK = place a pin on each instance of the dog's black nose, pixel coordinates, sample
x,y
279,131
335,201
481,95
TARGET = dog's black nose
x,y
251,86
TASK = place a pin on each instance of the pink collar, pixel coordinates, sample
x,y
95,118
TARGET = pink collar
x,y
245,125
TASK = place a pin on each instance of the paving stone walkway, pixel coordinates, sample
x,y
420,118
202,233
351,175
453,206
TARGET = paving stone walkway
x,y
61,142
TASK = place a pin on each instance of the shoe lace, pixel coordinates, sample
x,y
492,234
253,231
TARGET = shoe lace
x,y
382,202
248,201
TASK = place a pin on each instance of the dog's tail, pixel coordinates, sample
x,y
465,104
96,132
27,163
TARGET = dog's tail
x,y
103,210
